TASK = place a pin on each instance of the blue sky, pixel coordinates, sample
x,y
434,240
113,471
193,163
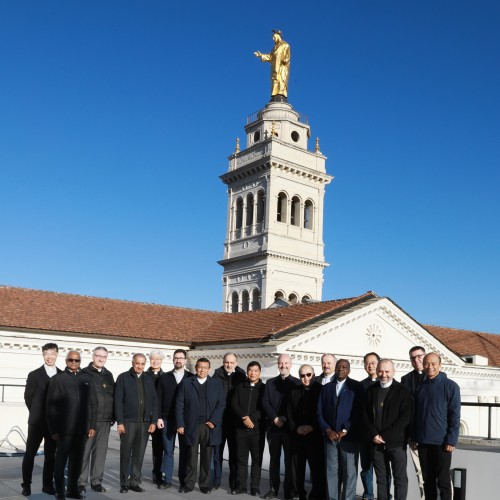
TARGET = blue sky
x,y
117,118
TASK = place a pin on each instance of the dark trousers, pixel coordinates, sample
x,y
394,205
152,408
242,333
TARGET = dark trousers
x,y
276,440
249,441
132,448
69,449
35,435
157,446
94,456
202,440
385,459
308,448
436,465
228,435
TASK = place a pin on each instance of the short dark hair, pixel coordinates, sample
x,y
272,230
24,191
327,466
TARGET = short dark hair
x,y
371,354
345,361
138,355
203,360
416,348
254,363
49,346
181,351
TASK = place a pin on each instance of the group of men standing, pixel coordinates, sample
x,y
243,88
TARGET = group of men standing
x,y
329,421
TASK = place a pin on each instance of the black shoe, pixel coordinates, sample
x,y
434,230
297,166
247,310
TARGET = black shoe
x,y
99,488
137,489
82,490
60,497
238,491
26,490
206,490
75,494
49,490
164,485
255,492
123,489
185,489
270,494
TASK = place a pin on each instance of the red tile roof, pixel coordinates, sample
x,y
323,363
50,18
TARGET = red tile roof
x,y
467,342
50,311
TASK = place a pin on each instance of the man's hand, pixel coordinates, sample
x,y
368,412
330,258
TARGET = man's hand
x,y
331,435
413,445
180,430
378,439
91,433
247,422
341,434
449,447
210,425
160,423
121,429
278,422
304,430
151,428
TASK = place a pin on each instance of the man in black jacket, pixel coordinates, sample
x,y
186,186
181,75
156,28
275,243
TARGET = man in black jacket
x,y
71,417
274,403
307,441
136,413
412,381
96,448
231,375
168,386
387,416
246,404
154,371
34,396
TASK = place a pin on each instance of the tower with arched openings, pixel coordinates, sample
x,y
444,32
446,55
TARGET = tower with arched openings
x,y
274,249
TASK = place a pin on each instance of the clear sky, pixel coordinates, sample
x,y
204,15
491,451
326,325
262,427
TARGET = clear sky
x,y
117,118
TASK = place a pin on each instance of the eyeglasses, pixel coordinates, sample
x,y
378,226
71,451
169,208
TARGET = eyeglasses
x,y
73,360
416,356
178,359
100,356
308,375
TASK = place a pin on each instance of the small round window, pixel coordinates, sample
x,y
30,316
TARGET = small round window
x,y
295,136
256,136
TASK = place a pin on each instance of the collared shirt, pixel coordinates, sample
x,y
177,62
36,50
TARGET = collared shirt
x,y
50,370
179,374
386,385
201,380
325,379
340,384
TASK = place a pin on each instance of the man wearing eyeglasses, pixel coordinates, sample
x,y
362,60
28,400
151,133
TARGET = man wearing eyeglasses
x,y
71,417
94,456
306,435
412,381
168,386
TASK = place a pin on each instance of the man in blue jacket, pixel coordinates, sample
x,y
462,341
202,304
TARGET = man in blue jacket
x,y
339,410
436,426
199,408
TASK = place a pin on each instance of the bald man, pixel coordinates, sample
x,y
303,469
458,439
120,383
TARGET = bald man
x,y
274,403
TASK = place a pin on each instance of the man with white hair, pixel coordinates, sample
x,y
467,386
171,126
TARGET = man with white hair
x,y
328,362
274,403
154,371
387,417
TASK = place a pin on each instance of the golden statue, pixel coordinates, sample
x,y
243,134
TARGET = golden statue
x,y
280,65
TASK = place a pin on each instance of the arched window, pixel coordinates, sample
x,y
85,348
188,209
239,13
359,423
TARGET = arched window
x,y
260,206
239,213
306,299
308,214
279,295
255,299
292,298
295,211
281,209
234,302
249,218
245,301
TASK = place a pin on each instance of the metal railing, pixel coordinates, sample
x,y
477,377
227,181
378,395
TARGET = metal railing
x,y
485,405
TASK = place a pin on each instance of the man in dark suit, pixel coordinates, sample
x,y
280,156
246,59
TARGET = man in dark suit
x,y
71,418
328,362
307,441
34,396
412,381
136,413
339,409
387,416
168,386
231,375
199,408
274,403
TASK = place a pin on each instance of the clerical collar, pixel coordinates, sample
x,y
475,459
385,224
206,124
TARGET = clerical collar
x,y
202,380
386,384
50,370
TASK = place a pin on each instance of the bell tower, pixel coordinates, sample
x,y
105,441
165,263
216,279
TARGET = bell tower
x,y
274,238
